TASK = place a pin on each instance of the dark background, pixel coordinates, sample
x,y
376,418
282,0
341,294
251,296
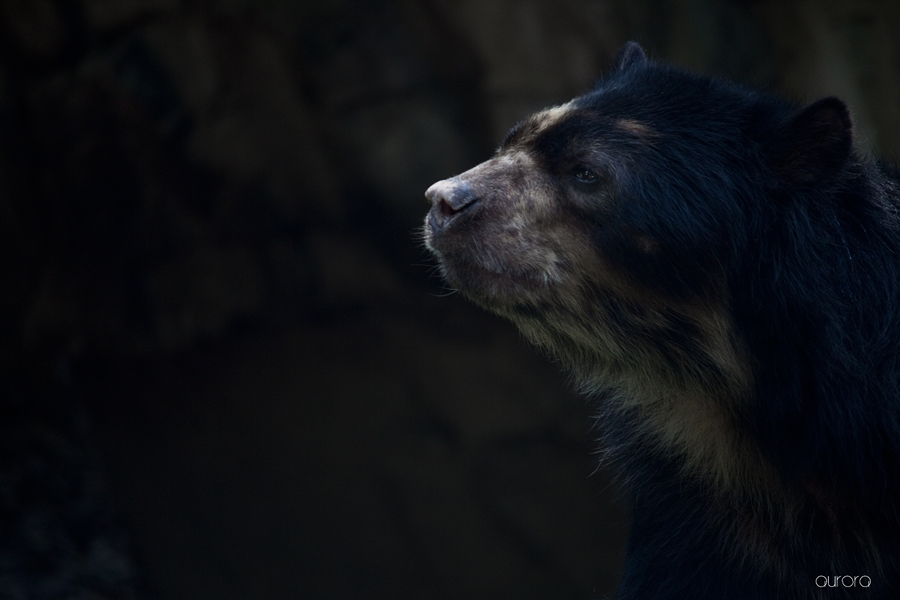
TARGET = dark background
x,y
228,369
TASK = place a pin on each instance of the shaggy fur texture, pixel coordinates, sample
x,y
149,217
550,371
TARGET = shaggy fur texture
x,y
722,270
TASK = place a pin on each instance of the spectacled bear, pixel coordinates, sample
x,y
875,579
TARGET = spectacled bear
x,y
720,268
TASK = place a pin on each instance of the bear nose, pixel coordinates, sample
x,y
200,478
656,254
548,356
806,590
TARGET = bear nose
x,y
448,199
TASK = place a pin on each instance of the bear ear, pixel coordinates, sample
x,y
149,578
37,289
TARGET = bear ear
x,y
816,142
631,55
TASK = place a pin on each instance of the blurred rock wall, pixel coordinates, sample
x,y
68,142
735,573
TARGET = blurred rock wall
x,y
165,162
228,369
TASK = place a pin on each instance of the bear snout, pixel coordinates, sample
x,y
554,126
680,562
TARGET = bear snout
x,y
449,198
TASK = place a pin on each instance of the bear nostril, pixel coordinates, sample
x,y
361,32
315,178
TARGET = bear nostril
x,y
446,209
449,198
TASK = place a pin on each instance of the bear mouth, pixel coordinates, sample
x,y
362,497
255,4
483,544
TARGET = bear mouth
x,y
491,284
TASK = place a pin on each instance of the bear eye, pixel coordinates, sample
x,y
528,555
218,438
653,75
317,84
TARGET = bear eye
x,y
585,176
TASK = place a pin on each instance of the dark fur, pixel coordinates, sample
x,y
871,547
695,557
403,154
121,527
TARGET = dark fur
x,y
729,285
